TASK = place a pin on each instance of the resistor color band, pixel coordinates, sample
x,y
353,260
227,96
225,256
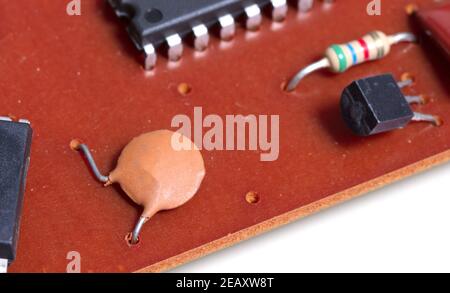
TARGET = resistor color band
x,y
372,46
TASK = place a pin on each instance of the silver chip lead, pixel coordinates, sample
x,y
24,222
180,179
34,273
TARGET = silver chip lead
x,y
305,5
175,47
150,56
227,27
279,9
3,266
254,17
201,37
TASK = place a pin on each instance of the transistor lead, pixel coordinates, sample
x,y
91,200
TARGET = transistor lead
x,y
339,58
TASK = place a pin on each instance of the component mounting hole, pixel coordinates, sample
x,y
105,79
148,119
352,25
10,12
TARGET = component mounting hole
x,y
252,197
408,76
411,8
184,89
128,239
439,121
75,144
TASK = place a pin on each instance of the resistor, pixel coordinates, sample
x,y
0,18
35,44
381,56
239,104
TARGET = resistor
x,y
339,58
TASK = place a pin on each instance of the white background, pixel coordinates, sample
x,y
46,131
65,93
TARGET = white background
x,y
404,227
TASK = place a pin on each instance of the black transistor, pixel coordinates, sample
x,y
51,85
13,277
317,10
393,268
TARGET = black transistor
x,y
15,143
376,104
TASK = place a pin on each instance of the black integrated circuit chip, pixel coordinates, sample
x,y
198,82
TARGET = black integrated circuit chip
x,y
15,144
167,23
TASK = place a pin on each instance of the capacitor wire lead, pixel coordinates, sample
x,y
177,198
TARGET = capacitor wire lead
x,y
84,149
137,230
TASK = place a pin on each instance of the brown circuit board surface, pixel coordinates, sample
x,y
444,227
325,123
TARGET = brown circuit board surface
x,y
81,77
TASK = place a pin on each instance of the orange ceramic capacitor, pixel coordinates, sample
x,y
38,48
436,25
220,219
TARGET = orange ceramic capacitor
x,y
154,172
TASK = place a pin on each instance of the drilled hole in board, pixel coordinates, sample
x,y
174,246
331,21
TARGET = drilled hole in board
x,y
408,76
439,121
75,144
284,87
411,8
425,99
128,239
252,197
184,89
13,117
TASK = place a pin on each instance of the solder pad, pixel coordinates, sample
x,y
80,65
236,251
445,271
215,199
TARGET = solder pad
x,y
81,77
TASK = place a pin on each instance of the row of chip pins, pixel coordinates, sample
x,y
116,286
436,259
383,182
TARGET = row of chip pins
x,y
227,31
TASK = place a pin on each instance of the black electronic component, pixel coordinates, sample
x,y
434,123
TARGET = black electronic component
x,y
376,104
168,22
15,143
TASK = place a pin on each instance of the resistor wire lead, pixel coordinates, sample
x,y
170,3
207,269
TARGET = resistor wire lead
x,y
339,58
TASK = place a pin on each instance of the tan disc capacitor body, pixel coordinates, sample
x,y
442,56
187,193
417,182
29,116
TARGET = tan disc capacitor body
x,y
159,170
156,175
